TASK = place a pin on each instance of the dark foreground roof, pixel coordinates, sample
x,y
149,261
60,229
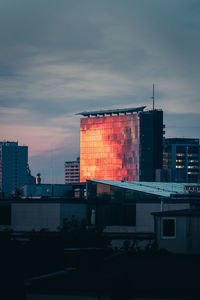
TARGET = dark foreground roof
x,y
182,212
111,111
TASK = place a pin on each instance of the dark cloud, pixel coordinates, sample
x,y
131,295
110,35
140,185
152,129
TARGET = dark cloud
x,y
62,57
182,125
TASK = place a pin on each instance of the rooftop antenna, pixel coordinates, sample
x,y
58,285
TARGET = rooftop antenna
x,y
52,172
43,176
153,98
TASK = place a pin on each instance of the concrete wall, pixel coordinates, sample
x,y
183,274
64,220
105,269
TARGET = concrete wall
x,y
192,235
176,245
28,216
144,219
37,216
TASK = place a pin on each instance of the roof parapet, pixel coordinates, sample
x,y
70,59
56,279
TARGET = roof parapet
x,y
112,112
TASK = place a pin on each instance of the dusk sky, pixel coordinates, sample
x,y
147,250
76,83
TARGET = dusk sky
x,y
61,57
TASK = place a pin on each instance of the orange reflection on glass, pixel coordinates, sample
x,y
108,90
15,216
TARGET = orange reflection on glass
x,y
109,148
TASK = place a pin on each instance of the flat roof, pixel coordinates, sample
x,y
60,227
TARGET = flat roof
x,y
182,212
182,141
111,111
44,200
161,189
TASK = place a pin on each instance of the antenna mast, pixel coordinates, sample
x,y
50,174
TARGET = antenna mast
x,y
153,98
51,172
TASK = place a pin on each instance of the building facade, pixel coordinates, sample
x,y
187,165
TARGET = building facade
x,y
31,214
13,167
72,171
178,231
122,144
44,190
128,206
181,160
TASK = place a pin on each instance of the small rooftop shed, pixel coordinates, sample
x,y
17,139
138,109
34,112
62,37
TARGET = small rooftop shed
x,y
178,231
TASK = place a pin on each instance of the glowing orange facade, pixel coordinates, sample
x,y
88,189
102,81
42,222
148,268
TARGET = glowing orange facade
x,y
109,148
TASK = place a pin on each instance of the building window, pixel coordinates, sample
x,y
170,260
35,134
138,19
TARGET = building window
x,y
168,228
5,215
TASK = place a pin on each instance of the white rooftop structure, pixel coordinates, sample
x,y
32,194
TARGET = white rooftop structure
x,y
162,189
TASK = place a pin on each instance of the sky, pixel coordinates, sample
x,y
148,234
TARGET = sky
x,y
61,57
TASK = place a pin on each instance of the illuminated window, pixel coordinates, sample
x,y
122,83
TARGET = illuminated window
x,y
193,173
193,167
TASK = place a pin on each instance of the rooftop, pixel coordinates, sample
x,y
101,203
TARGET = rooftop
x,y
8,143
182,212
161,189
111,111
182,141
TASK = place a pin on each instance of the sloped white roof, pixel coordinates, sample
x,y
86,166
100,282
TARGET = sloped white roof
x,y
162,189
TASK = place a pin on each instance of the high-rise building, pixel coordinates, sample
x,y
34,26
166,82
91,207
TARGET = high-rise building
x,y
72,171
121,144
151,144
181,160
13,166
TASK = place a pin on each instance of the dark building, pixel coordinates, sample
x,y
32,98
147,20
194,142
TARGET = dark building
x,y
14,170
121,144
181,160
39,191
151,144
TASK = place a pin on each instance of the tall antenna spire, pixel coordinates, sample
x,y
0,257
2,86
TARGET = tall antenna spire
x,y
153,98
51,171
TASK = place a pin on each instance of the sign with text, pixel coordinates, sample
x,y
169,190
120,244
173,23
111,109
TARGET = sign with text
x,y
192,188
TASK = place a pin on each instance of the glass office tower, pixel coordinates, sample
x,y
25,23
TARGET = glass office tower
x,y
109,148
112,147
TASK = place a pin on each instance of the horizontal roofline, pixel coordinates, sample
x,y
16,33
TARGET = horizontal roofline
x,y
182,212
111,111
182,141
160,189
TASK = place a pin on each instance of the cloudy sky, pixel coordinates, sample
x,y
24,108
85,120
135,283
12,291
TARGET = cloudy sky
x,y
60,57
